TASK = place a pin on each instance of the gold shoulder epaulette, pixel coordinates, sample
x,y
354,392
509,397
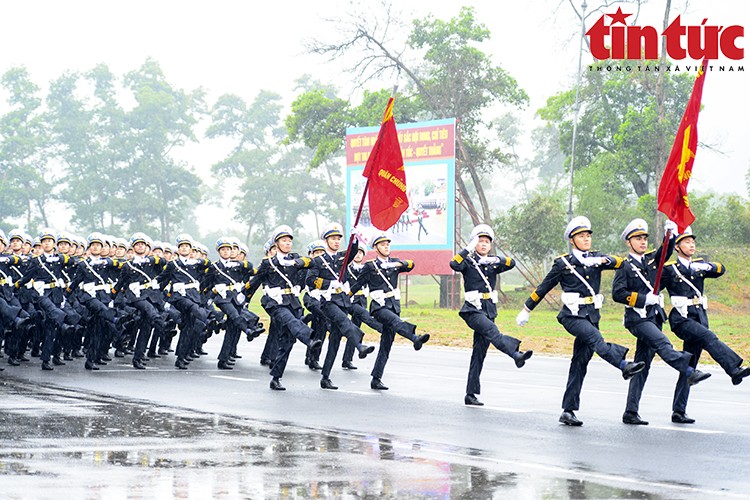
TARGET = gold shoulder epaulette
x,y
670,263
563,255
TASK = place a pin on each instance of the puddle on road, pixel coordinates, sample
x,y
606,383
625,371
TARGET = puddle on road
x,y
57,443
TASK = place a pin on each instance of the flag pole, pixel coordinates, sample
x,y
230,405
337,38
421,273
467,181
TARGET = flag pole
x,y
662,259
660,269
351,236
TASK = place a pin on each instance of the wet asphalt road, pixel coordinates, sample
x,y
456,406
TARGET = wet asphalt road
x,y
165,433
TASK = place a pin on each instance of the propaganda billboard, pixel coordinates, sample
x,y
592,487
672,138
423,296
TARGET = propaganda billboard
x,y
425,232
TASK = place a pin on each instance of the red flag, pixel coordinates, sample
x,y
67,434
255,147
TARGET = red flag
x,y
386,177
672,197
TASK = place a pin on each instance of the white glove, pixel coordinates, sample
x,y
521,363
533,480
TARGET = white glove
x,y
651,299
111,304
390,265
670,226
336,284
701,266
592,261
4,259
523,317
472,244
286,262
167,306
489,260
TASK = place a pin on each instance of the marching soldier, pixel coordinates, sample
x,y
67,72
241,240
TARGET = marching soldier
x,y
46,272
73,310
317,319
226,280
184,274
281,277
92,276
634,286
579,275
13,318
359,312
688,319
16,240
480,270
334,299
380,275
271,347
137,281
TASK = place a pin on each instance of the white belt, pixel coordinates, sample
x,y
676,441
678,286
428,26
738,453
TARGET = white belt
x,y
682,303
182,288
474,297
327,294
41,286
92,288
379,296
574,301
277,293
136,287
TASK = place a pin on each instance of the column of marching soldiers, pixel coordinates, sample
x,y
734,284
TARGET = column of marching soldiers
x,y
63,297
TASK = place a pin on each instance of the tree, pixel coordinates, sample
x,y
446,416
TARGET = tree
x,y
120,173
619,120
89,136
24,170
534,230
276,186
163,119
447,73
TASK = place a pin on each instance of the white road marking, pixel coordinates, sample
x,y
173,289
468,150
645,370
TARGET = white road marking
x,y
240,379
685,429
504,410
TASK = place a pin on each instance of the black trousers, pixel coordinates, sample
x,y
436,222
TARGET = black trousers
x,y
588,340
697,338
319,326
341,326
651,340
194,320
485,333
271,346
291,329
392,325
360,314
99,327
150,319
54,318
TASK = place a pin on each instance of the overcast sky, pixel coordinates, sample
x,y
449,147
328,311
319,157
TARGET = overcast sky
x,y
245,46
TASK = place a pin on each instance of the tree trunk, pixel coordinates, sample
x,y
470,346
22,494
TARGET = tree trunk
x,y
466,163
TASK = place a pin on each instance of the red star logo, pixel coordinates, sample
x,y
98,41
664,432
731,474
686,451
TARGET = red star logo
x,y
619,17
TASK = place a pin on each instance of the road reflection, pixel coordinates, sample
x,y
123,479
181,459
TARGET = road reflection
x,y
58,443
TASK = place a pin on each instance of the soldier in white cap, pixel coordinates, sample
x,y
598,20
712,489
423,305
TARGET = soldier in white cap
x,y
644,314
480,269
684,278
380,275
579,275
335,302
282,276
